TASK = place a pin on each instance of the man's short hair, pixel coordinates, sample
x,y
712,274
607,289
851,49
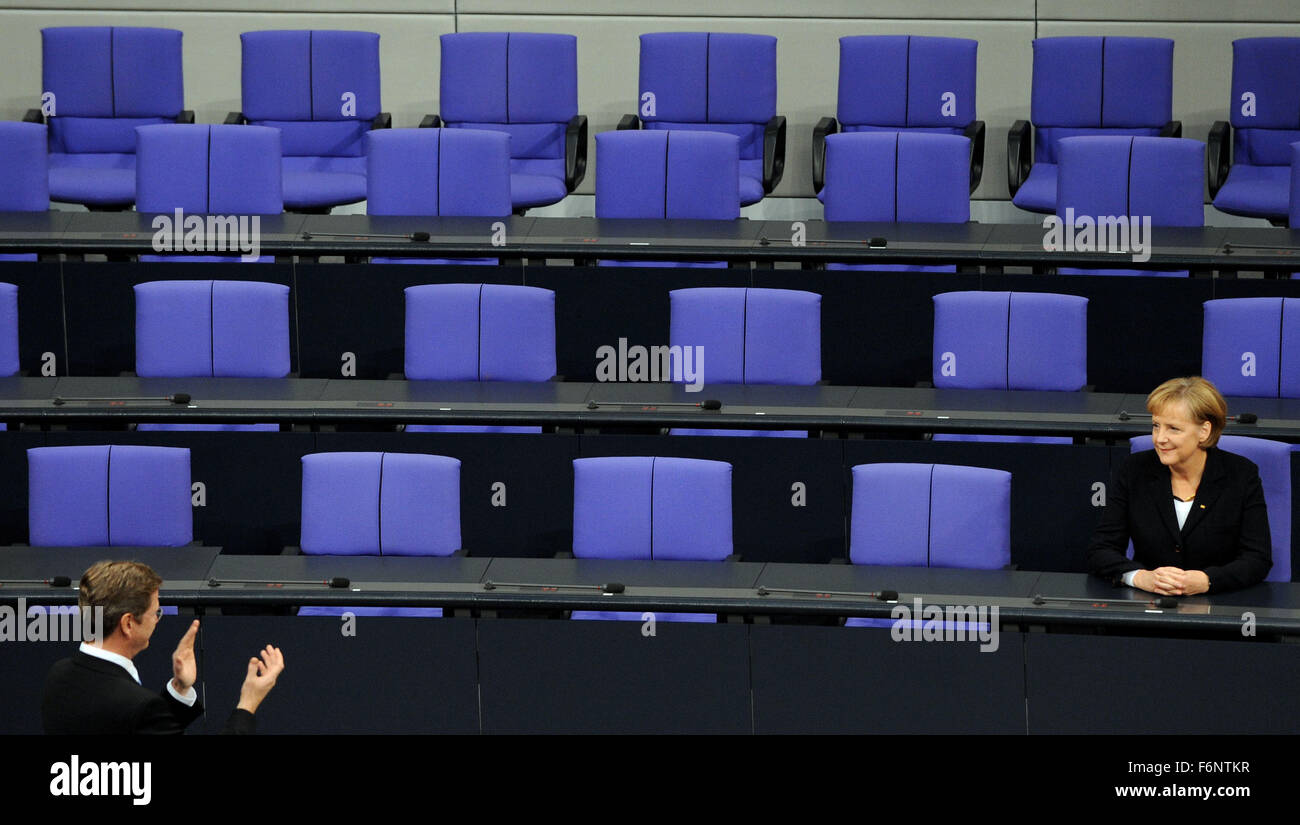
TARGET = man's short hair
x,y
120,588
1199,396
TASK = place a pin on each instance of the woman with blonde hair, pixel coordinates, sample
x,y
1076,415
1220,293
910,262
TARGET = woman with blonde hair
x,y
1194,512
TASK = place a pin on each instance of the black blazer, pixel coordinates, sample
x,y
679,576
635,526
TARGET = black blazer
x,y
1225,535
88,695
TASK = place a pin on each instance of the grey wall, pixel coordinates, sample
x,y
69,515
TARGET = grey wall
x,y
607,48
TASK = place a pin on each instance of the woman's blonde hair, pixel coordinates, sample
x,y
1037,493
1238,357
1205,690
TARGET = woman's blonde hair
x,y
1202,400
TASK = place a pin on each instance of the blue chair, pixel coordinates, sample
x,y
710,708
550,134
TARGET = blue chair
x,y
232,172
1121,177
479,332
713,82
675,175
744,335
98,84
1248,167
379,504
526,85
321,90
448,172
1274,461
1087,86
1010,341
189,329
929,515
8,330
904,83
667,509
1248,344
24,167
109,496
896,177
212,328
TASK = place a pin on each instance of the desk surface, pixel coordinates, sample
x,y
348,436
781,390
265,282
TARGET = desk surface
x,y
969,244
742,588
579,404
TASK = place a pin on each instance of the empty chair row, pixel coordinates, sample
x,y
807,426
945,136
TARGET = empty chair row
x,y
634,508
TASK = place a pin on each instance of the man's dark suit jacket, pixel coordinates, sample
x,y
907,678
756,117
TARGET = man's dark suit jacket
x,y
1225,535
87,695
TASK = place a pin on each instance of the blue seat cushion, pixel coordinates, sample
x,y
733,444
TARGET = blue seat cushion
x,y
1038,193
99,180
1255,191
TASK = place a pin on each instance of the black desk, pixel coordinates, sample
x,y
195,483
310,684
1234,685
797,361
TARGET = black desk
x,y
183,569
569,404
1053,668
742,240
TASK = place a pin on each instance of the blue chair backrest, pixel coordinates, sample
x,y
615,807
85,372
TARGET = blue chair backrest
x,y
1010,341
105,81
24,168
651,508
749,335
8,329
1274,461
212,328
1114,176
906,82
931,515
390,504
1099,85
320,88
480,332
227,170
1265,113
1251,346
112,496
897,176
719,82
646,174
522,83
454,172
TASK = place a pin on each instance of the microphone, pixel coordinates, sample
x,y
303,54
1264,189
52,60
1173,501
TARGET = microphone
x,y
338,582
418,237
708,404
1164,602
1240,418
883,595
56,581
174,398
1229,247
609,588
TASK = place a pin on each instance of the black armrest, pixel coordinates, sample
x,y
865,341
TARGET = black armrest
x,y
33,116
431,122
235,119
628,122
773,153
1019,154
1218,155
186,116
975,131
825,126
291,551
383,120
575,152
1173,128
